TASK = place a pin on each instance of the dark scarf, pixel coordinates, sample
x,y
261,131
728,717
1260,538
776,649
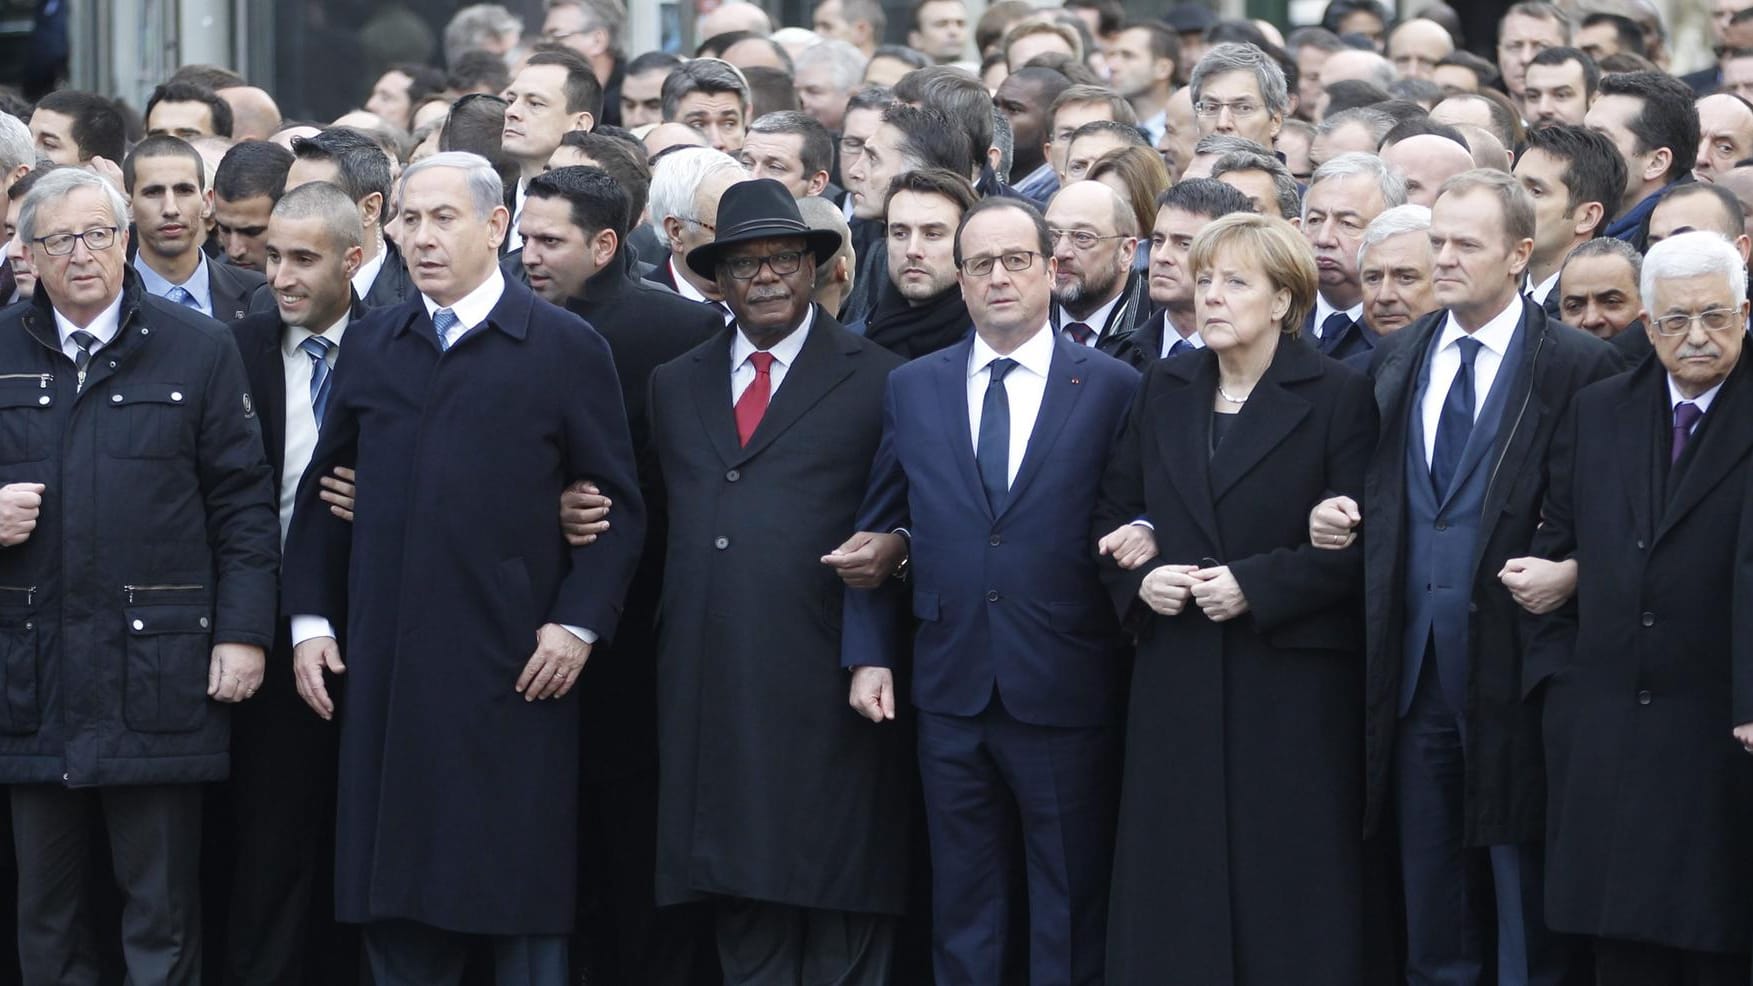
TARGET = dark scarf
x,y
913,331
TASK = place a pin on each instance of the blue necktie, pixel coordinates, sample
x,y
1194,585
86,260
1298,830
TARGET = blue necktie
x,y
181,296
1455,425
443,321
1333,330
993,450
1180,346
317,348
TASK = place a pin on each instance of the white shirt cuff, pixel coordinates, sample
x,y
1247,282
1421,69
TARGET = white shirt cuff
x,y
588,636
1141,522
309,628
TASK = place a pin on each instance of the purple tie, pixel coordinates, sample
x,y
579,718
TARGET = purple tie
x,y
1079,332
1686,415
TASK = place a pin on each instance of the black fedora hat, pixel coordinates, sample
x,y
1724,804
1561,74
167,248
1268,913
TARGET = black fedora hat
x,y
759,210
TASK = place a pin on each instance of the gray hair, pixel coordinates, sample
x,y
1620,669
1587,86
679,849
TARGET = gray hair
x,y
1283,185
1401,219
473,25
708,75
486,191
845,63
1221,144
1349,165
1605,246
819,213
16,146
676,177
1233,57
610,15
1004,139
1375,121
57,185
1691,255
327,202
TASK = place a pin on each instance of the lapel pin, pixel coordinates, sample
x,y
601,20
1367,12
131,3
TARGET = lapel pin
x,y
1076,380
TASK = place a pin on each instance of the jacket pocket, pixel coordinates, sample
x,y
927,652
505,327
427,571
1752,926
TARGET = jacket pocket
x,y
145,420
25,405
20,714
169,649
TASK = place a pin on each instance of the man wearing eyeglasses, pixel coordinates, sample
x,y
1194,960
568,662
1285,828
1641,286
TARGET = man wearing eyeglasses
x,y
993,451
1098,298
779,809
1237,89
1648,705
139,547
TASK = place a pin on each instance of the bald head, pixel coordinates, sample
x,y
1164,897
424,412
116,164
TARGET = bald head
x,y
254,114
1352,63
735,15
1488,151
667,135
1104,208
1725,135
1426,161
1415,47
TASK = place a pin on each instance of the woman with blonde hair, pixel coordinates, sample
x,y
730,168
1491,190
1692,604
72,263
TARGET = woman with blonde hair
x,y
1239,850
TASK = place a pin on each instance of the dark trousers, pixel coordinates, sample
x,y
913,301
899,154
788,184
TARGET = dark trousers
x,y
1444,939
1630,963
405,953
988,782
276,861
767,944
155,846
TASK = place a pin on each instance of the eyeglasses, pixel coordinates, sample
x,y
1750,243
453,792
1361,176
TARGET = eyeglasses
x,y
1241,109
1083,239
61,244
1714,319
745,268
708,227
1016,263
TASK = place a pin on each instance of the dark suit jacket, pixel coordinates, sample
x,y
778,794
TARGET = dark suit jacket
x,y
236,292
1505,780
662,275
1633,344
1704,81
1012,600
258,339
393,284
1648,670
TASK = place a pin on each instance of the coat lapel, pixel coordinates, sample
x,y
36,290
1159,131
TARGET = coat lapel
x,y
1182,412
1640,466
952,391
821,366
1724,439
1271,414
711,393
1064,387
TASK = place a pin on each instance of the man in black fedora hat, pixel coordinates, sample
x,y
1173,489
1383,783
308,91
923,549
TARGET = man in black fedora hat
x,y
777,804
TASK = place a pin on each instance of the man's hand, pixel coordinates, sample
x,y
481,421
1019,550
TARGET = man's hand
x,y
338,492
1537,585
235,671
309,660
584,512
873,693
1333,523
1131,545
20,503
1166,590
1218,594
1744,736
105,168
553,669
867,558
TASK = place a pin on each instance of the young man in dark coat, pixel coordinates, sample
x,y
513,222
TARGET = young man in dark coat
x,y
1648,710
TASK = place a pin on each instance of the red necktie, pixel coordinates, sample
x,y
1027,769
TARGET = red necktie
x,y
753,403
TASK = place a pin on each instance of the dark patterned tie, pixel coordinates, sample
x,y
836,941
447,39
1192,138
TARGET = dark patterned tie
x,y
1079,332
317,348
1686,415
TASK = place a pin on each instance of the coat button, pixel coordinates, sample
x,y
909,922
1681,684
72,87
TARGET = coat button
x,y
176,395
1640,544
721,543
203,623
139,624
115,398
1472,607
732,476
1649,619
995,540
1644,697
112,364
43,400
1442,525
992,596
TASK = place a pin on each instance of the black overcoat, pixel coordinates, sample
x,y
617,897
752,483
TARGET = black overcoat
x,y
770,786
1239,856
458,800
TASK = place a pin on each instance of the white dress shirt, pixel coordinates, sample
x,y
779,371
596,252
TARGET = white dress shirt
x,y
1097,321
1153,126
472,309
1025,387
1540,292
103,328
686,289
1172,335
1675,399
1494,338
513,239
1324,309
784,353
197,285
366,275
301,422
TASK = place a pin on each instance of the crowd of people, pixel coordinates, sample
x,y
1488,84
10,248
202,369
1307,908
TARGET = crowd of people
x,y
1063,500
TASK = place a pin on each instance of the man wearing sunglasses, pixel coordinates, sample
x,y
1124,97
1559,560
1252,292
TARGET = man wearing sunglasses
x,y
780,810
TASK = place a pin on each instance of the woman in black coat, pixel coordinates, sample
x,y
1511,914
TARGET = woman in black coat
x,y
1239,850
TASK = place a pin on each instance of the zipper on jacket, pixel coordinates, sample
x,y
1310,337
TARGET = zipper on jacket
x,y
42,379
30,592
131,589
1533,368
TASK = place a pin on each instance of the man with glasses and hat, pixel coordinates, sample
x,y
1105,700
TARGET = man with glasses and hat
x,y
776,805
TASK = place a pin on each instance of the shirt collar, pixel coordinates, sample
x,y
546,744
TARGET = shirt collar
x,y
1098,319
1494,335
1035,355
1324,308
784,352
196,285
1675,398
1540,292
366,275
685,287
296,334
473,308
103,328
